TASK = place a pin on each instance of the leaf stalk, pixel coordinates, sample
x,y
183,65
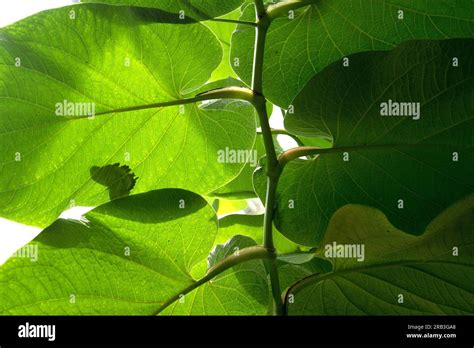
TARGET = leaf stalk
x,y
244,255
232,92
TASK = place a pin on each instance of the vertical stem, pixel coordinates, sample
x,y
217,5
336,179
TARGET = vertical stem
x,y
272,183
260,7
257,88
263,23
260,106
278,307
259,51
270,200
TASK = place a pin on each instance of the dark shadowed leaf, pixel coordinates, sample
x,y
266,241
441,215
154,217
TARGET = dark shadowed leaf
x,y
399,274
409,169
299,47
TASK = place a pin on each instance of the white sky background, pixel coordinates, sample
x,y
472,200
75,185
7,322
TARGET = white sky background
x,y
14,235
14,10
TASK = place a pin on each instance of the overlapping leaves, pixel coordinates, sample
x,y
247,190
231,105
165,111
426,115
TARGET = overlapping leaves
x,y
108,57
129,256
132,255
409,169
182,9
397,273
302,43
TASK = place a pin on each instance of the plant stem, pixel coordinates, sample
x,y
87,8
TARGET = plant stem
x,y
295,287
241,93
272,183
278,306
270,199
303,151
260,7
257,72
297,152
234,21
272,160
260,105
247,254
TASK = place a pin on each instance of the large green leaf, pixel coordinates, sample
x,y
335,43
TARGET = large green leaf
x,y
241,291
379,160
113,57
400,274
130,256
197,9
329,30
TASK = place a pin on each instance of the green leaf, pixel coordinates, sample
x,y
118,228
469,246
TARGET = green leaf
x,y
323,33
290,273
217,84
110,57
227,206
196,9
242,290
118,179
239,224
401,274
130,256
242,186
251,226
406,168
297,258
320,142
230,247
223,32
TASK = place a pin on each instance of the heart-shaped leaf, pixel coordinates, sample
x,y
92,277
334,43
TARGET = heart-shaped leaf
x,y
301,43
128,257
379,270
98,58
410,167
